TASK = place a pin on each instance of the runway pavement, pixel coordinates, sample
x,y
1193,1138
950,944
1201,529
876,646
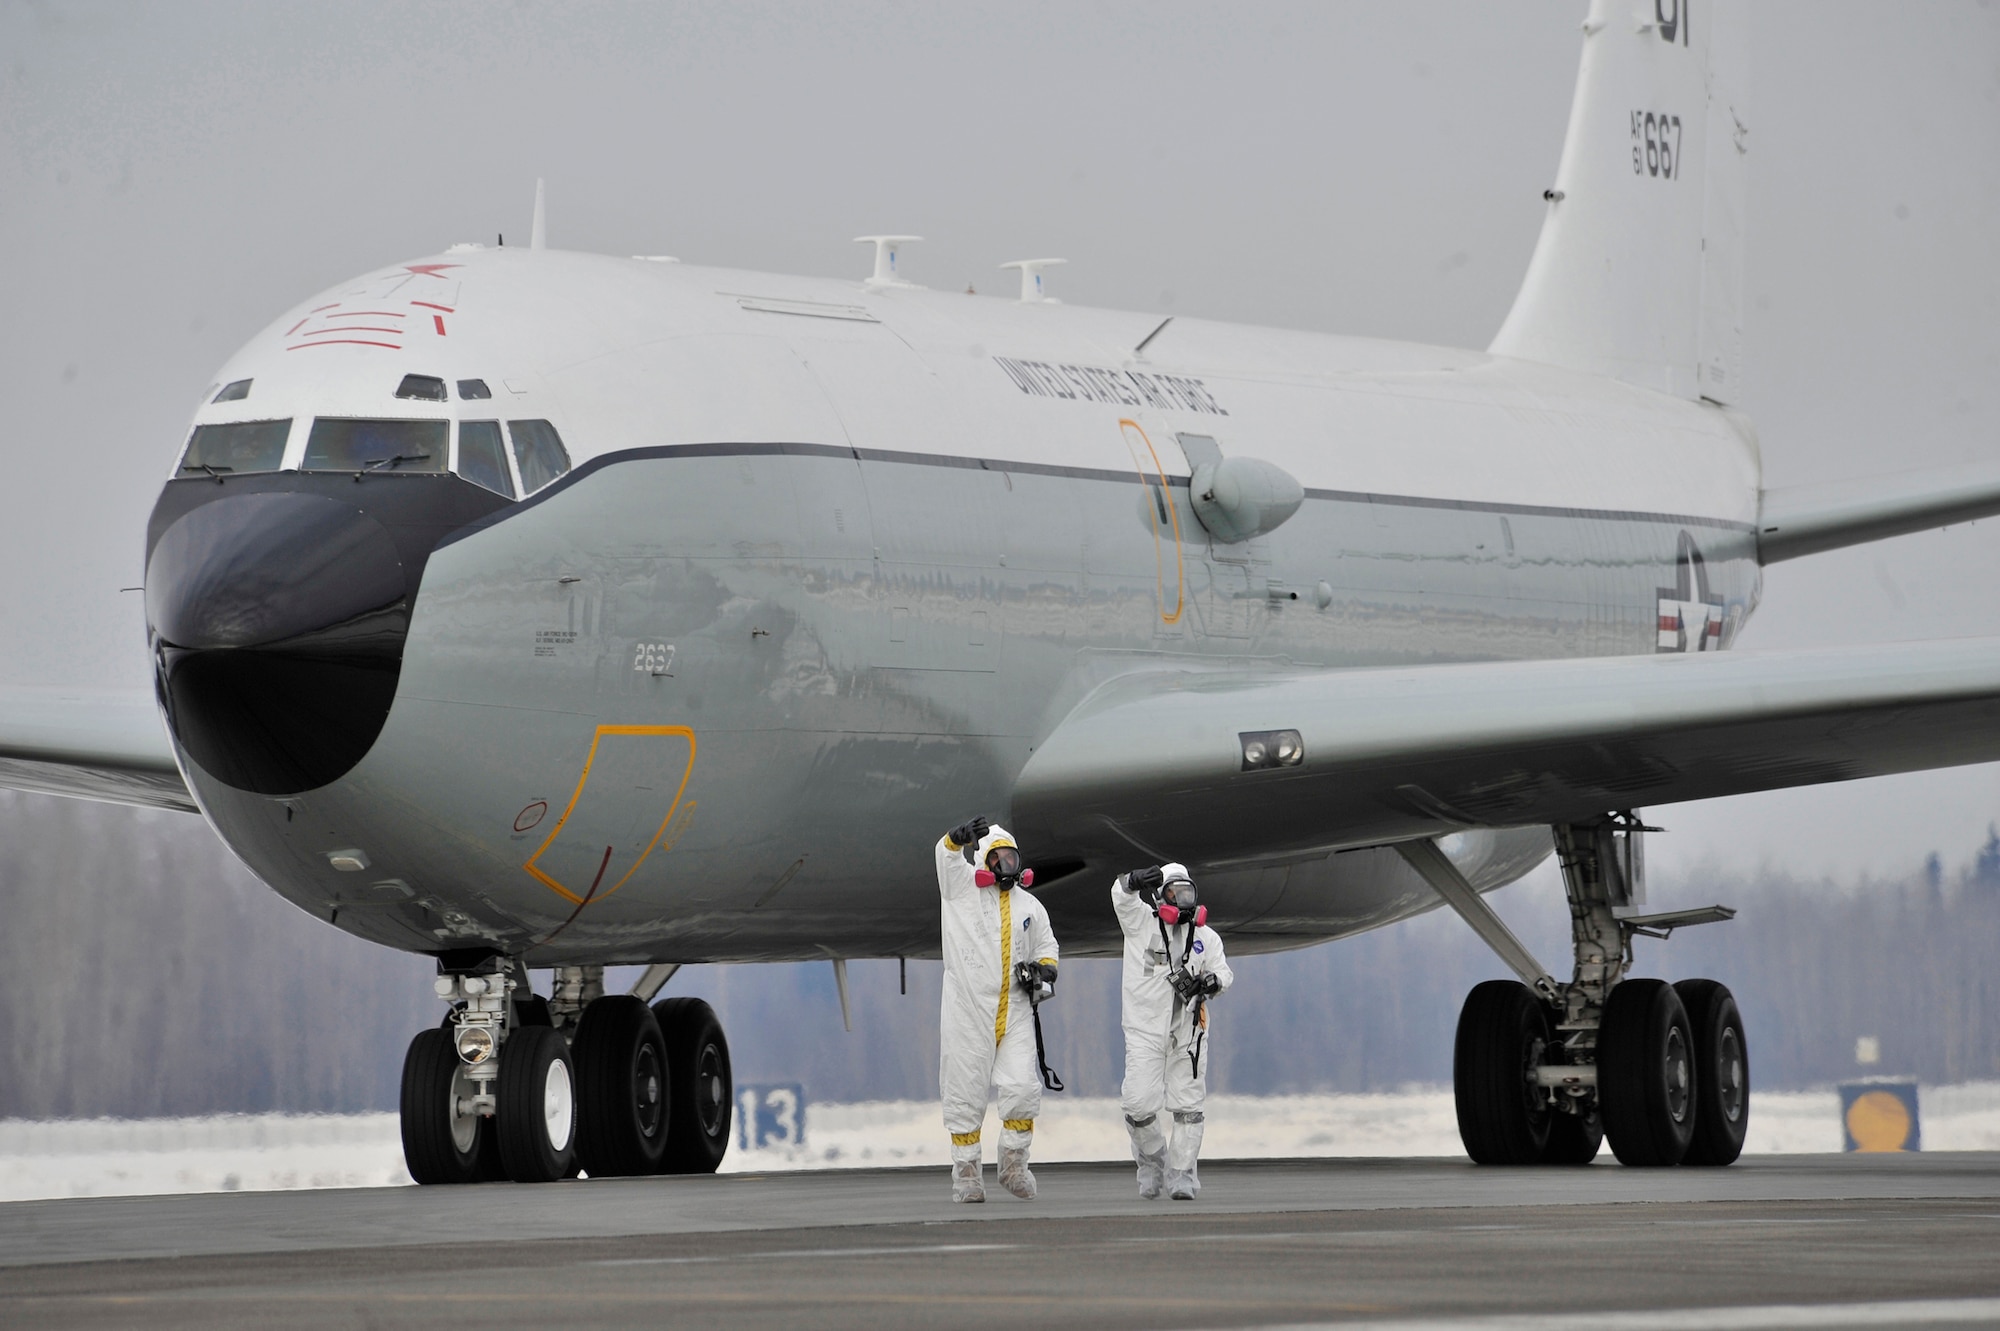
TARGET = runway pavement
x,y
1797,1240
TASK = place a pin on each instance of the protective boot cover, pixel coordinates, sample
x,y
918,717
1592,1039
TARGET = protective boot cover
x,y
1152,1174
966,1184
1015,1176
1149,1150
1183,1153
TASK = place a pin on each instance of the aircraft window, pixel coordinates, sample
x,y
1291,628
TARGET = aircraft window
x,y
337,444
539,450
474,390
244,446
482,458
421,387
233,392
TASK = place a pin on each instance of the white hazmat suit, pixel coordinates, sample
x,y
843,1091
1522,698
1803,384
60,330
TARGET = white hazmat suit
x,y
986,1029
1167,1040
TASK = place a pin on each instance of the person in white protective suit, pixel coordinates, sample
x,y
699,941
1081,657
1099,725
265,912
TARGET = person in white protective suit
x,y
999,953
1174,965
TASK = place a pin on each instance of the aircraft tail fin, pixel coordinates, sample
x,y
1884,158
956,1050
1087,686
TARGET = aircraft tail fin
x,y
1638,274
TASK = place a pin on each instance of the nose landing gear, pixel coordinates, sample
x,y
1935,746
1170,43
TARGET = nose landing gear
x,y
445,1138
516,1087
1543,1072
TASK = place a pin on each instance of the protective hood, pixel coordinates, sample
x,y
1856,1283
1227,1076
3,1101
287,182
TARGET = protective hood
x,y
997,835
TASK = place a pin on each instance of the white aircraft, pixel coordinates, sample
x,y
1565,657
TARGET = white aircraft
x,y
540,609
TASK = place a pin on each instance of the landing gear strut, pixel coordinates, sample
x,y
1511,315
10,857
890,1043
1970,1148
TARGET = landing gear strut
x,y
1544,1071
513,1086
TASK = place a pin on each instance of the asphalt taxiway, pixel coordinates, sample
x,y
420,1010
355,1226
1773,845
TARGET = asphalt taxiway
x,y
1772,1241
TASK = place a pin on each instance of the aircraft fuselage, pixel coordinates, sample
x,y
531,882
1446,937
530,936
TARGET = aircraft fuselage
x,y
830,563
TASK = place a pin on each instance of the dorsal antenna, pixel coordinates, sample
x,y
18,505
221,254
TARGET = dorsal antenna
x,y
538,236
1139,351
886,247
1033,291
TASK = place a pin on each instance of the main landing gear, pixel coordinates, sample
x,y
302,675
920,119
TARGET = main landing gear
x,y
513,1086
1544,1072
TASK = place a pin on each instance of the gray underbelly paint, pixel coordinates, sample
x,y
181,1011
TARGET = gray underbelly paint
x,y
717,668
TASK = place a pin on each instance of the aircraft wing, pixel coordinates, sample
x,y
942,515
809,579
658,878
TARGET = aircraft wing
x,y
1154,763
1806,519
96,746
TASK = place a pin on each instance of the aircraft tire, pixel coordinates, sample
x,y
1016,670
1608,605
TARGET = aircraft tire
x,y
1502,1030
702,1090
1573,1139
1722,1073
537,1111
622,1110
439,1144
1648,1082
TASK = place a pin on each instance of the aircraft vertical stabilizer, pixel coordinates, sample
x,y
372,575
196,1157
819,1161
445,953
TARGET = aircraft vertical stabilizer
x,y
1638,272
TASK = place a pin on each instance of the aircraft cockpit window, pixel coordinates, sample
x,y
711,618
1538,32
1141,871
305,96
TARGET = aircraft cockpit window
x,y
215,450
482,458
539,451
340,444
421,388
234,391
474,390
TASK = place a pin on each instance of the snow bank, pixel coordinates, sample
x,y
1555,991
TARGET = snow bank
x,y
262,1152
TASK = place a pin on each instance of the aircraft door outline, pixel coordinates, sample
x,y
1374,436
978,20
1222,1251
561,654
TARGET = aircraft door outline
x,y
595,890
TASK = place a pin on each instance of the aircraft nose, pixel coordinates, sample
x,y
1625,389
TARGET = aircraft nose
x,y
271,571
278,621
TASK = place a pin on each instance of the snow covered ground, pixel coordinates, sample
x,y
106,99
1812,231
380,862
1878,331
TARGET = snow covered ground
x,y
257,1152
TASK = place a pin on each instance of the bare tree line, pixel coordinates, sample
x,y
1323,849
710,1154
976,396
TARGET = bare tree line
x,y
143,971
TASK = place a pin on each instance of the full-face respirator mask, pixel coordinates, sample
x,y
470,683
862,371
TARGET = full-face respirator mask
x,y
1004,870
1179,901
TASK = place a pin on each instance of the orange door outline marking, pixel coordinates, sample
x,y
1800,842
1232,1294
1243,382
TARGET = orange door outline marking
x,y
582,780
1173,516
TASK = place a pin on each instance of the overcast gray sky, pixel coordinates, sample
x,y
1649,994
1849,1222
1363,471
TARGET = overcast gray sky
x,y
173,176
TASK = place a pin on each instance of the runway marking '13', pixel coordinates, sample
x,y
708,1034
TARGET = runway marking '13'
x,y
770,1116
